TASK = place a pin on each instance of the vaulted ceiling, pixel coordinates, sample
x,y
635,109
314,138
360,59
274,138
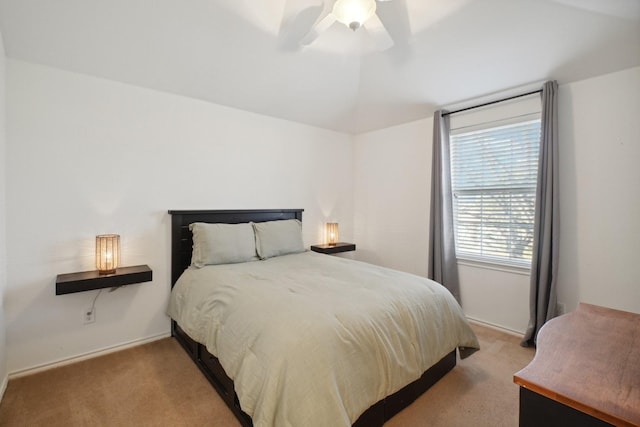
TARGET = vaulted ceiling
x,y
244,53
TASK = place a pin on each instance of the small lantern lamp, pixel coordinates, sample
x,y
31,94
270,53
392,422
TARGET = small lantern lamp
x,y
107,253
332,233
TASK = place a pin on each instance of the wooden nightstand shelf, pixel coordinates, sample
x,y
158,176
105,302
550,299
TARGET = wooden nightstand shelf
x,y
90,280
334,249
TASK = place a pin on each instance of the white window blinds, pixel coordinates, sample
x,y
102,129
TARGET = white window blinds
x,y
494,172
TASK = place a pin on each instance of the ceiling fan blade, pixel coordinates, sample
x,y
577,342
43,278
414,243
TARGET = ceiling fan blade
x,y
378,32
318,29
297,27
395,17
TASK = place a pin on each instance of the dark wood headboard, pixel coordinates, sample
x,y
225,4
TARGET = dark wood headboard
x,y
181,239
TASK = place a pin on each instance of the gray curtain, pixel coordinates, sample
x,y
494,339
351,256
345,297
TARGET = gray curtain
x,y
442,252
544,260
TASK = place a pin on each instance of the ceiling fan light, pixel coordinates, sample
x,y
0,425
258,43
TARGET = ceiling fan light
x,y
354,13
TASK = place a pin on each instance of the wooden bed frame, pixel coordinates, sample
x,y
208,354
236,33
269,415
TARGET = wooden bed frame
x,y
181,245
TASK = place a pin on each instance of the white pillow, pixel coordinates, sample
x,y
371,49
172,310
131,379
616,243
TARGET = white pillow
x,y
222,243
274,238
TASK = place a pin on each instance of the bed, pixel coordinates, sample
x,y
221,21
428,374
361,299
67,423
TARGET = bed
x,y
269,358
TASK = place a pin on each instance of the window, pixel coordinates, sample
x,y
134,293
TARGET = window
x,y
493,177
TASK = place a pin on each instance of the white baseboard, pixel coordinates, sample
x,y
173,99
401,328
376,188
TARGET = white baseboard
x,y
3,386
84,356
498,328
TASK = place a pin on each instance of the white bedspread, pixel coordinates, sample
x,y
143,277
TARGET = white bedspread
x,y
314,340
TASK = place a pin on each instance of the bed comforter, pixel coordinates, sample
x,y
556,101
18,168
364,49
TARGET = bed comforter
x,y
314,340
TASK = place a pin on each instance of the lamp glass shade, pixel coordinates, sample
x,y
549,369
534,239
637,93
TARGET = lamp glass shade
x,y
107,253
354,13
332,233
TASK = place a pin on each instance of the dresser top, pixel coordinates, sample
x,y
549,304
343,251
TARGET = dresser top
x,y
589,360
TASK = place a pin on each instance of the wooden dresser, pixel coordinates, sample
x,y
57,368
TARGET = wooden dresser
x,y
586,371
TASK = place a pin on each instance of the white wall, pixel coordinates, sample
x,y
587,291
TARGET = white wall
x,y
87,156
391,198
600,191
3,210
600,204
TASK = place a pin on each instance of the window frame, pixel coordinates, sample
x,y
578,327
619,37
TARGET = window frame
x,y
504,114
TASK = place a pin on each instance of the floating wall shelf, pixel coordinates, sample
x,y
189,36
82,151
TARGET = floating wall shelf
x,y
334,249
90,280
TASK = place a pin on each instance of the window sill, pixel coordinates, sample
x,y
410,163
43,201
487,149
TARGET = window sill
x,y
487,265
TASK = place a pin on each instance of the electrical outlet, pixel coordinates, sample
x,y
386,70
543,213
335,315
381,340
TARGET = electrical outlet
x,y
89,315
560,309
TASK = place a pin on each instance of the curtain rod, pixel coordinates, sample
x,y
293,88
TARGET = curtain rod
x,y
492,102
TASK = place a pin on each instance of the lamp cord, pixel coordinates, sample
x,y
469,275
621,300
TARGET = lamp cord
x,y
93,305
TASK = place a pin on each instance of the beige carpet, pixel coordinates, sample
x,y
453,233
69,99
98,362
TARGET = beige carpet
x,y
134,387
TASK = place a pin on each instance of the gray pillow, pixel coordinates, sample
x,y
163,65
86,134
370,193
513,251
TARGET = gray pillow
x,y
222,243
275,238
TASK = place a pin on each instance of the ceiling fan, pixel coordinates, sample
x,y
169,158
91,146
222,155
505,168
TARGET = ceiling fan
x,y
357,15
